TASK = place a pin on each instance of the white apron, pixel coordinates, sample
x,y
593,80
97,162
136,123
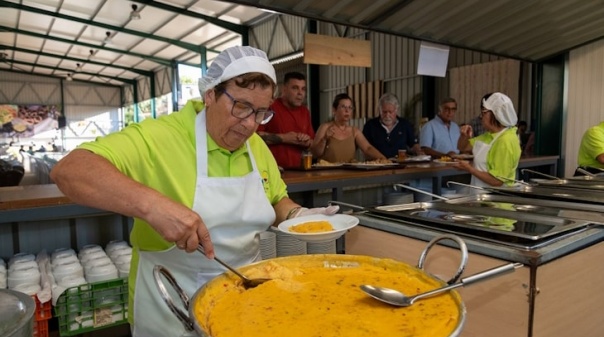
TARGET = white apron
x,y
235,210
480,150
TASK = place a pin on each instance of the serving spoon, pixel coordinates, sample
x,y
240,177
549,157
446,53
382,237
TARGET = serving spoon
x,y
246,282
396,298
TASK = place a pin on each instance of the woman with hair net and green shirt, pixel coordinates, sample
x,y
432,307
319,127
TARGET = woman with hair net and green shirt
x,y
496,151
199,176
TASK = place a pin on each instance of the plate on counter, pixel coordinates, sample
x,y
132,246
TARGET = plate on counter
x,y
445,162
463,156
370,166
418,159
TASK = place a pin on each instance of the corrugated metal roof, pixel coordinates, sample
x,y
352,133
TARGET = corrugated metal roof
x,y
68,38
53,37
530,30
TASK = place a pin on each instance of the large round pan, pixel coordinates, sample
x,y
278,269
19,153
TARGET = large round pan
x,y
204,299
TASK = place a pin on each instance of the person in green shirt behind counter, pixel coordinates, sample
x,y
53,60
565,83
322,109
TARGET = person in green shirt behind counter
x,y
497,151
591,151
199,176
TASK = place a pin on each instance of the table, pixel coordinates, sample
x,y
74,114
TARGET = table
x,y
337,179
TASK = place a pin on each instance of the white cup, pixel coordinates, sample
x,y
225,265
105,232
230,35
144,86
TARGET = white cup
x,y
22,277
22,265
21,257
91,256
102,273
72,269
59,252
64,259
123,269
89,249
72,281
113,245
28,289
119,251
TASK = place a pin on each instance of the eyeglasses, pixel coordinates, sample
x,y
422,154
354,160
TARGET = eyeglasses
x,y
243,110
346,107
483,112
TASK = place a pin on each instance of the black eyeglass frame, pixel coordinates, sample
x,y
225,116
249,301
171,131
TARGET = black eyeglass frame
x,y
262,116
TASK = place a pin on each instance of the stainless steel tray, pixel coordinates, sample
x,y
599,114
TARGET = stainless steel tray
x,y
505,223
553,193
597,185
570,210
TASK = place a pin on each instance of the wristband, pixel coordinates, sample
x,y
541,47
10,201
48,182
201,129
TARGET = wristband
x,y
292,212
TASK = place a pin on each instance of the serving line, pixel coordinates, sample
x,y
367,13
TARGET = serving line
x,y
337,179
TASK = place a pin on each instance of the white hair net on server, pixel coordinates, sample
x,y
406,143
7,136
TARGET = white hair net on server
x,y
233,62
502,108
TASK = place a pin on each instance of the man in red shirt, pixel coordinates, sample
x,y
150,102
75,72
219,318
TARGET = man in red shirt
x,y
290,131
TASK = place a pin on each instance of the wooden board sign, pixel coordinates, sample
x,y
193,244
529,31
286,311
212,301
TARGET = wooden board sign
x,y
336,51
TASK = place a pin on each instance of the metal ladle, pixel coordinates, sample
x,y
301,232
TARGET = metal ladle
x,y
396,298
246,282
420,191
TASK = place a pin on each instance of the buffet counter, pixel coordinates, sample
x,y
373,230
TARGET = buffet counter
x,y
337,178
555,294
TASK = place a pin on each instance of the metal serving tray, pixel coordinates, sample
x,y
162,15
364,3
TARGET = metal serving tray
x,y
553,193
597,185
570,210
504,223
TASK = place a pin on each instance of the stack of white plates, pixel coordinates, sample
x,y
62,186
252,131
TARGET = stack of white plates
x,y
268,245
327,247
288,245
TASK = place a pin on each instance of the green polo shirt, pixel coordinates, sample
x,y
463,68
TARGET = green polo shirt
x,y
504,155
592,145
160,153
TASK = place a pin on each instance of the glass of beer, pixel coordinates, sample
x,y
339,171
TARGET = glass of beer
x,y
402,155
307,160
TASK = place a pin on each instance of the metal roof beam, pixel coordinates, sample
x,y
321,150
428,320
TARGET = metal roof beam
x,y
240,29
28,51
184,45
125,80
161,61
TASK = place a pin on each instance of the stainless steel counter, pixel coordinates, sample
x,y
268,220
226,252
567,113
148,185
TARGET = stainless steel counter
x,y
545,253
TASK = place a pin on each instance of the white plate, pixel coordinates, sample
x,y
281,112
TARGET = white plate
x,y
445,162
340,223
368,165
463,156
418,158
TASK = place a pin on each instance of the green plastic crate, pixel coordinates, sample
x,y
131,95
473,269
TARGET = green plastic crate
x,y
92,306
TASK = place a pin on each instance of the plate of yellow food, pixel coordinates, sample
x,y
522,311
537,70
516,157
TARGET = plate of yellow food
x,y
318,227
445,160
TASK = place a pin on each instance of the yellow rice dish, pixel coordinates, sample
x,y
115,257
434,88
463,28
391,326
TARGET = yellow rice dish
x,y
321,298
312,227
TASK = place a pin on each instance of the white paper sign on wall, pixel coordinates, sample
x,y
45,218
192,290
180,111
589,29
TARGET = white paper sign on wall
x,y
433,59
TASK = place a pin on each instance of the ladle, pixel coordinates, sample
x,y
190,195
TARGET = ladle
x,y
488,190
246,282
420,191
513,181
539,173
585,172
396,298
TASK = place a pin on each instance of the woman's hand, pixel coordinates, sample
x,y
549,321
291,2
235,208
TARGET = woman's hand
x,y
466,130
463,165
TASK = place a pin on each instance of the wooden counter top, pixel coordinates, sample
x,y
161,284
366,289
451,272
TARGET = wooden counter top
x,y
22,197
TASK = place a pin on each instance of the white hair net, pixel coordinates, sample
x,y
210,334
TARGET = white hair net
x,y
233,62
502,108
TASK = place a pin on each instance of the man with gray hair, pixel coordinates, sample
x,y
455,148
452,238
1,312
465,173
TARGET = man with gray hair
x,y
389,132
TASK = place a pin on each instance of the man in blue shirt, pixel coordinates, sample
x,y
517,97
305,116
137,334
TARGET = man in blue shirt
x,y
439,136
389,133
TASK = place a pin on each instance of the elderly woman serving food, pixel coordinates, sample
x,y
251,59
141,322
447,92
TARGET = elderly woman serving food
x,y
497,151
199,176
